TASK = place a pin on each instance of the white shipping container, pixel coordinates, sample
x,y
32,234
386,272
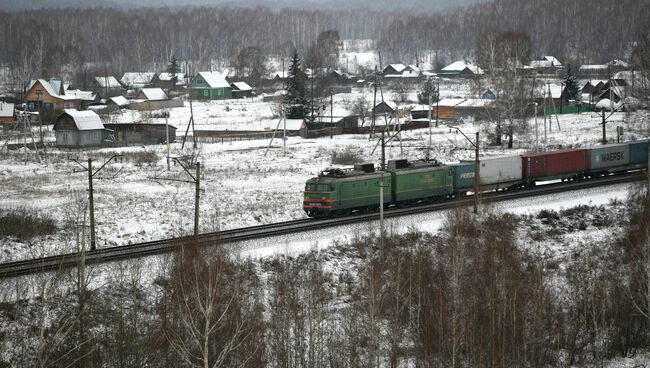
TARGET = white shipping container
x,y
500,169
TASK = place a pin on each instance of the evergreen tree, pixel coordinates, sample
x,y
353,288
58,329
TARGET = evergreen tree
x,y
296,105
428,89
173,70
571,82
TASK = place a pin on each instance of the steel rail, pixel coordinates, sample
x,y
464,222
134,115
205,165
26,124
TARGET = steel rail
x,y
137,250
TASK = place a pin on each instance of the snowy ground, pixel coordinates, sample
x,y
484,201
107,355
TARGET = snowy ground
x,y
242,184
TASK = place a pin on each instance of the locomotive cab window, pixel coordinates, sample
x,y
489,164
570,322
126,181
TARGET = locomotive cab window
x,y
318,187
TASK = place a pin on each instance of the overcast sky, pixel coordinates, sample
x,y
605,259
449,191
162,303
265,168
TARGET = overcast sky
x,y
425,5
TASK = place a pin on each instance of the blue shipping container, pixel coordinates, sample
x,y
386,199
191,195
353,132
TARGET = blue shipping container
x,y
463,174
639,153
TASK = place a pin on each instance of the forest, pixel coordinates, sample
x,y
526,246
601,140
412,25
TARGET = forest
x,y
55,42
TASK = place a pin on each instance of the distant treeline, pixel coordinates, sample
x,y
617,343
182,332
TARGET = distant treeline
x,y
43,42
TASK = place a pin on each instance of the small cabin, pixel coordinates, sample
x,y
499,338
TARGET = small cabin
x,y
79,129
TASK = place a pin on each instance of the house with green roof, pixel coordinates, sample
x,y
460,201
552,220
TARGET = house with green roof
x,y
210,86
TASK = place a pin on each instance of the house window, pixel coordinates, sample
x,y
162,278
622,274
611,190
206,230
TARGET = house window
x,y
205,92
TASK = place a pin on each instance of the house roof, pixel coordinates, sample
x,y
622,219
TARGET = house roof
x,y
459,66
137,78
593,67
397,67
476,102
119,100
81,95
48,87
154,94
108,82
6,109
84,120
180,77
617,62
214,79
242,86
450,102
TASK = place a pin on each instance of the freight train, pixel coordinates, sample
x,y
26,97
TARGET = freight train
x,y
336,192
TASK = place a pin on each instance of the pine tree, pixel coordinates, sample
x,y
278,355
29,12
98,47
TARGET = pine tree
x,y
173,70
571,82
427,90
295,100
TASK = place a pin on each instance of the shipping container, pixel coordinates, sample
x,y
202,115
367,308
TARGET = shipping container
x,y
463,175
612,157
419,180
639,153
554,165
500,170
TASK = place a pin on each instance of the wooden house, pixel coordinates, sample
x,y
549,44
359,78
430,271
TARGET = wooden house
x,y
210,86
43,95
107,86
135,80
241,90
164,80
79,129
151,94
444,109
385,107
461,69
117,102
6,112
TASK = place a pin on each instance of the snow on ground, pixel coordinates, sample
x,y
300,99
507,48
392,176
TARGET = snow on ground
x,y
242,184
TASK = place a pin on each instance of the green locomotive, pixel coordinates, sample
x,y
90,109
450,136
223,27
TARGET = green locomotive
x,y
342,191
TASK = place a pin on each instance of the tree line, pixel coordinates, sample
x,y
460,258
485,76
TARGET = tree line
x,y
54,42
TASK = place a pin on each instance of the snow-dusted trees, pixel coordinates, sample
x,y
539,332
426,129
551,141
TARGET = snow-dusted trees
x,y
250,63
214,316
295,101
503,54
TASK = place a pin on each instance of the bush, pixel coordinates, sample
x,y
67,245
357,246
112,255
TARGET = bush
x,y
346,157
25,223
140,158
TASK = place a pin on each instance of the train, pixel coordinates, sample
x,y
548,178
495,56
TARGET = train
x,y
342,191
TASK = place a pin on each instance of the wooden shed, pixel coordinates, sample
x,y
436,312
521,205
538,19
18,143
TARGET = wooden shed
x,y
6,112
79,129
139,133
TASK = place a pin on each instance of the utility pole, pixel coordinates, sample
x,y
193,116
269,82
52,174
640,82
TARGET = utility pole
x,y
477,167
284,131
91,202
197,197
437,101
604,130
477,175
429,117
381,212
331,115
167,139
383,150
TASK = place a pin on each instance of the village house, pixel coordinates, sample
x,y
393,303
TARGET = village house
x,y
107,86
44,95
210,86
385,107
117,102
461,69
401,71
545,65
137,80
164,80
6,112
76,129
241,90
151,94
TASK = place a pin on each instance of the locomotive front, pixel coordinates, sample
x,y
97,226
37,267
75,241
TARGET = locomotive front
x,y
320,197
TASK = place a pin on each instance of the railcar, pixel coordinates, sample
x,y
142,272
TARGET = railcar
x,y
419,181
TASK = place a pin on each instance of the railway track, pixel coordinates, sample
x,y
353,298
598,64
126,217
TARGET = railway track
x,y
112,254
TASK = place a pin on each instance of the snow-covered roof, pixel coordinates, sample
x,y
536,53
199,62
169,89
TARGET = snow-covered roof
x,y
6,109
607,104
450,102
617,62
281,75
78,94
242,86
154,94
48,87
292,124
397,67
168,77
137,79
459,66
545,62
593,67
391,104
422,107
85,120
214,79
119,100
554,61
476,102
108,82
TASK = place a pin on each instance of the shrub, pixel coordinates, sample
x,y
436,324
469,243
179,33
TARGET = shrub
x,y
346,157
25,223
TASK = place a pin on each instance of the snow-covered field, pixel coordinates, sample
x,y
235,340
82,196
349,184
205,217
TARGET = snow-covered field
x,y
242,184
